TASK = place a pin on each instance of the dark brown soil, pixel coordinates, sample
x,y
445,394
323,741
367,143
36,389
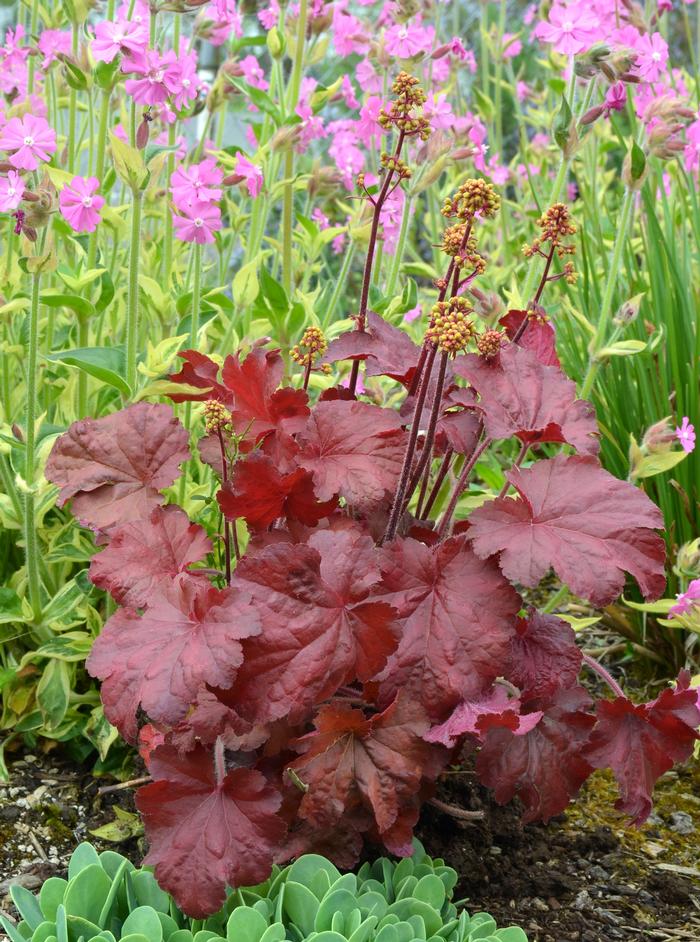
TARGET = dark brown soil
x,y
577,879
581,878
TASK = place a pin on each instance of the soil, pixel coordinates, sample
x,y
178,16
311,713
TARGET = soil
x,y
583,877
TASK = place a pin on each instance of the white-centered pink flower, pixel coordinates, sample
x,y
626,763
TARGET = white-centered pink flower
x,y
29,140
198,224
80,203
11,191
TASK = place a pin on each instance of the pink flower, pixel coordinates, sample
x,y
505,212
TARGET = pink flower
x,y
691,154
522,90
270,15
405,40
349,35
686,600
569,29
80,203
185,79
124,36
368,126
253,73
652,56
11,191
251,174
348,93
199,224
511,45
198,183
52,43
685,433
438,111
30,138
368,80
159,76
615,98
413,314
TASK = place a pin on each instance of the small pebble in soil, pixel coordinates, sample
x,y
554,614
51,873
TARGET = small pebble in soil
x,y
682,823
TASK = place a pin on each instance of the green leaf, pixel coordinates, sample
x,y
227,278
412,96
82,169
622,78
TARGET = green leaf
x,y
245,924
259,98
301,905
273,292
143,920
562,123
511,934
147,891
53,693
623,348
657,463
81,306
124,826
87,892
578,624
11,931
64,606
128,162
10,606
638,161
430,889
72,646
245,284
106,364
83,856
27,906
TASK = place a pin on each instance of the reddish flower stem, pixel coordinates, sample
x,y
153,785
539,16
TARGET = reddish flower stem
x,y
598,669
441,475
459,487
524,448
538,294
369,261
227,528
427,454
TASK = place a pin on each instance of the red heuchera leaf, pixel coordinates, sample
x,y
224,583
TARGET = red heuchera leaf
x,y
207,831
545,767
321,626
200,371
543,657
260,494
113,468
539,335
353,762
641,742
459,425
458,617
259,406
387,350
353,449
188,637
145,554
520,396
476,717
574,517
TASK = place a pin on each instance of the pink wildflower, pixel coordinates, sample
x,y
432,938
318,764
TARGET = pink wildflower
x,y
124,36
522,90
511,46
185,80
30,141
198,183
615,98
685,433
199,224
80,203
405,40
159,76
438,111
368,80
652,56
53,43
368,127
569,29
253,73
686,600
11,191
250,173
270,15
349,35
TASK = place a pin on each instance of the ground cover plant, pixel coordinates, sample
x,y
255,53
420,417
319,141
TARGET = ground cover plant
x,y
308,312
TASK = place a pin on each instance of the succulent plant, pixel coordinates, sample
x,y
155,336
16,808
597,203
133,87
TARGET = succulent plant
x,y
107,899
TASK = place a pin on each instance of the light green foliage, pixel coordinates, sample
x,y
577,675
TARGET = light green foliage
x,y
107,898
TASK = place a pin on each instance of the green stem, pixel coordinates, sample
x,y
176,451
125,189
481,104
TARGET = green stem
x,y
400,246
30,540
33,30
132,303
73,106
168,216
288,198
196,259
339,283
599,340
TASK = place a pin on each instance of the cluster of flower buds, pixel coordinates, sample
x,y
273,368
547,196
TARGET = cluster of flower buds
x,y
396,165
490,342
312,345
458,244
615,65
475,197
217,418
451,327
401,113
556,226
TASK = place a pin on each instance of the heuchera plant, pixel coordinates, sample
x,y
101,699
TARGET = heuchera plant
x,y
305,681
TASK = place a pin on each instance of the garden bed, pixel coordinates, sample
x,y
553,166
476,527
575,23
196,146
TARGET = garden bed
x,y
581,878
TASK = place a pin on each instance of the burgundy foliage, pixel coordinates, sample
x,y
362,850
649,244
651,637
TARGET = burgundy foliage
x,y
360,644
